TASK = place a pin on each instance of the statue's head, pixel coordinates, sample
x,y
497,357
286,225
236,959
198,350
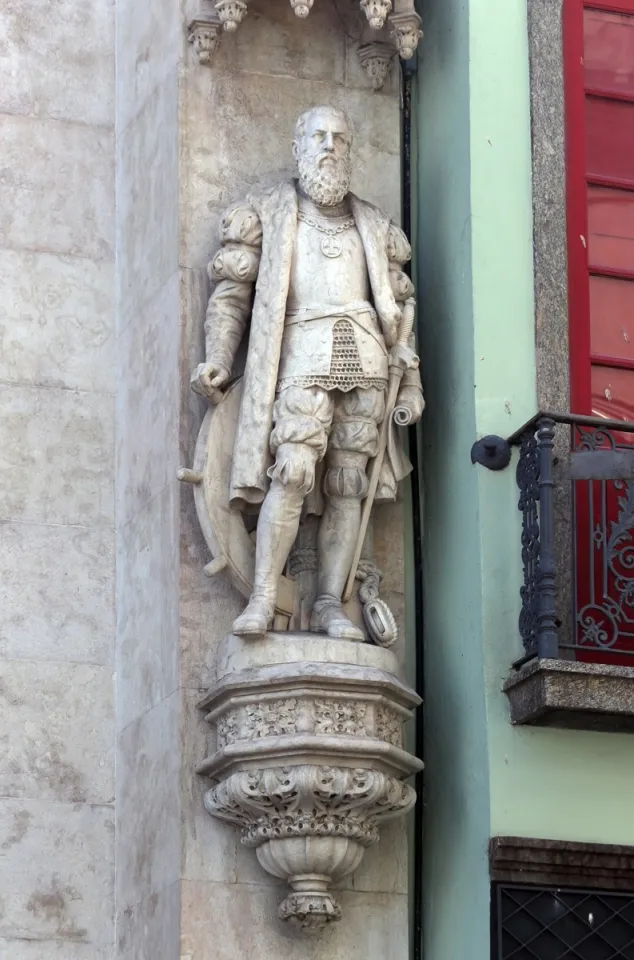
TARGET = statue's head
x,y
321,147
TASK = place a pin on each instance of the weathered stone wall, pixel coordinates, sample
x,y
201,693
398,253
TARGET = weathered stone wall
x,y
57,480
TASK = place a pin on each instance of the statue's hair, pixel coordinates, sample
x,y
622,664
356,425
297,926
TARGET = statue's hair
x,y
302,119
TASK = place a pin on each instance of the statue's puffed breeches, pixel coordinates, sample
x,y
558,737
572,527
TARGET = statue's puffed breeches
x,y
308,421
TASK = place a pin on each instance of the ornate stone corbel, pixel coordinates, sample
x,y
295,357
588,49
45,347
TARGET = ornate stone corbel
x,y
406,32
376,60
309,758
376,12
204,34
231,13
301,8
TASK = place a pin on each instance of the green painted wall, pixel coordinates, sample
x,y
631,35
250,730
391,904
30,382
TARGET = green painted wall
x,y
457,776
483,777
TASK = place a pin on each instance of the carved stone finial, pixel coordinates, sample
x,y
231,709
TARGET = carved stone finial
x,y
203,34
301,8
376,60
231,13
406,32
376,11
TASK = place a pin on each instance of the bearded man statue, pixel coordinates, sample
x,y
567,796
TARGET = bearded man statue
x,y
318,273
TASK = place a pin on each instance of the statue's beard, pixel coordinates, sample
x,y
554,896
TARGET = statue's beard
x,y
327,185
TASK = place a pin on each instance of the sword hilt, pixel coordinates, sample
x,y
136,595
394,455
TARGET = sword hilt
x,y
407,321
401,354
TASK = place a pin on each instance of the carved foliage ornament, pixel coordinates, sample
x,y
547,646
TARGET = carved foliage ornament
x,y
309,801
310,826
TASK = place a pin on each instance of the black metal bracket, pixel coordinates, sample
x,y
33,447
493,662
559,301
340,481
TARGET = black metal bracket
x,y
491,452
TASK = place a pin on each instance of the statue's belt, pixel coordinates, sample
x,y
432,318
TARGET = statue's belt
x,y
360,313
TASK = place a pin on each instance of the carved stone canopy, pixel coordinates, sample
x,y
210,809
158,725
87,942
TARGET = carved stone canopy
x,y
398,17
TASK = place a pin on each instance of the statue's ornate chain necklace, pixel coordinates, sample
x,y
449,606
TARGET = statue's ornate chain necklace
x,y
331,246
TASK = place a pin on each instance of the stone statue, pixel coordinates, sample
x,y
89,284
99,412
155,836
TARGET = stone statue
x,y
318,273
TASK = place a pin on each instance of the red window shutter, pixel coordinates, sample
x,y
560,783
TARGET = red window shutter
x,y
599,107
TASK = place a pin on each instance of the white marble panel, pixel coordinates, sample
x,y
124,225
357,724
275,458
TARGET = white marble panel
x,y
208,607
51,610
147,607
56,731
149,37
58,865
60,178
269,42
147,199
53,950
209,845
384,866
241,915
58,60
148,804
56,455
148,401
57,321
150,930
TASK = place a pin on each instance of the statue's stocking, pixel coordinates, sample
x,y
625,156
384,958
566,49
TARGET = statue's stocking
x,y
345,485
277,528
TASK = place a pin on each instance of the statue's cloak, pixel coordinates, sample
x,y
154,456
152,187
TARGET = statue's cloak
x,y
277,210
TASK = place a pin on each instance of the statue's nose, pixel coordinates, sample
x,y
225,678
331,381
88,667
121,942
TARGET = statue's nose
x,y
329,142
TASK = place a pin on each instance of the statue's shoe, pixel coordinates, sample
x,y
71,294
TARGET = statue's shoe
x,y
256,619
328,617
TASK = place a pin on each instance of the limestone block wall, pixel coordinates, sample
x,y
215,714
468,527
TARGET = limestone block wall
x,y
57,390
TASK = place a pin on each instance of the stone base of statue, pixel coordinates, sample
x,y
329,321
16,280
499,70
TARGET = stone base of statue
x,y
309,758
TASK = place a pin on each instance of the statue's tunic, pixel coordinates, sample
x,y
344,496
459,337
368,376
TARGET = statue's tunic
x,y
331,334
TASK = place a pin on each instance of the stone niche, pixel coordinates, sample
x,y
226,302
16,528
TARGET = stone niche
x,y
300,756
308,759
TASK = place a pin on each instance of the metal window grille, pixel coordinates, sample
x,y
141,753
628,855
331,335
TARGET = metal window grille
x,y
542,923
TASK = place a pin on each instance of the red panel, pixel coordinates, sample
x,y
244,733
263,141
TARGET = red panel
x,y
576,208
611,228
612,317
609,51
613,396
610,138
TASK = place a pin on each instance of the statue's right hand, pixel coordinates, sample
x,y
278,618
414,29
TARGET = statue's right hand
x,y
208,380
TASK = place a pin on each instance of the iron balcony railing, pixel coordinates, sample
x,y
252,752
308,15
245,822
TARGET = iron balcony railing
x,y
576,481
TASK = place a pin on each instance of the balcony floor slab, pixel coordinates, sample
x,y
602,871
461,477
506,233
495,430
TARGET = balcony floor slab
x,y
573,695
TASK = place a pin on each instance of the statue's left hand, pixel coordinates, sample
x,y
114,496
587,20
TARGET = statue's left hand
x,y
411,398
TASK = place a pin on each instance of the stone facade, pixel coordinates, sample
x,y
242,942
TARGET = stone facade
x,y
57,389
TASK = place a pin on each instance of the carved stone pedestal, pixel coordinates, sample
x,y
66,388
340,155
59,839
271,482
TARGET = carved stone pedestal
x,y
308,758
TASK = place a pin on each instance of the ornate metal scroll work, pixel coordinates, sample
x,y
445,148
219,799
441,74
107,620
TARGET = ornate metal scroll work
x,y
605,618
528,483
